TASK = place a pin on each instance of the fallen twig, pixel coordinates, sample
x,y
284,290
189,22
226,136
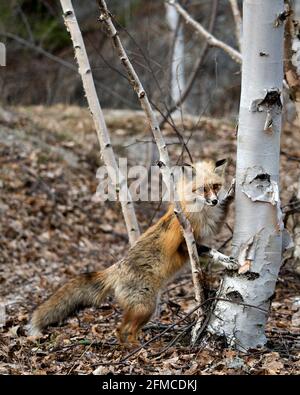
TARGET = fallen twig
x,y
163,332
185,317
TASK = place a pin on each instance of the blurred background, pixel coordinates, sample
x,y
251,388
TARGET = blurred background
x,y
33,31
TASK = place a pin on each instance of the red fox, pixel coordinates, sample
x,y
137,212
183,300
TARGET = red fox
x,y
158,254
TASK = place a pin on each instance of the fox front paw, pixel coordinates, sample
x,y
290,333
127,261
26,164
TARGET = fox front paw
x,y
231,263
228,262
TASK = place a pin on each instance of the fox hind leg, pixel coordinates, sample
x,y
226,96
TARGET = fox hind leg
x,y
134,319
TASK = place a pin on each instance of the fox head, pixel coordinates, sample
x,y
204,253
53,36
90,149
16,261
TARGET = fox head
x,y
203,184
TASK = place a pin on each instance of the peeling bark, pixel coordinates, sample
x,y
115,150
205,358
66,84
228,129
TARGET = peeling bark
x,y
257,241
270,104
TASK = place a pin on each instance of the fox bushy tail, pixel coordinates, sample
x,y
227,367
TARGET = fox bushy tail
x,y
85,290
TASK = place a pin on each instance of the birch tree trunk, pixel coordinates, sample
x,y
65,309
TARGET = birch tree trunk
x,y
177,60
257,240
98,118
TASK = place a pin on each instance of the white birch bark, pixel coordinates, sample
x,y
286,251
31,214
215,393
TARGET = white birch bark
x,y
164,162
257,240
98,118
177,62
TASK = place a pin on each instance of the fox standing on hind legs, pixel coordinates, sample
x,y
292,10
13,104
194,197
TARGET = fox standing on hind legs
x,y
151,262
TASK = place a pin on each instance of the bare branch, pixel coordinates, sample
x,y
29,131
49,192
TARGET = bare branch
x,y
26,22
172,326
195,72
196,308
212,40
164,162
96,111
238,21
169,121
60,61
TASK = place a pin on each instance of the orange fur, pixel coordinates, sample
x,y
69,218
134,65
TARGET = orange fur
x,y
137,279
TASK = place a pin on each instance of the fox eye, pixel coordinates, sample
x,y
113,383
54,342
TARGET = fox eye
x,y
205,189
216,186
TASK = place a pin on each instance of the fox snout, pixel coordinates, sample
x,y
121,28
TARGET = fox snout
x,y
212,202
211,198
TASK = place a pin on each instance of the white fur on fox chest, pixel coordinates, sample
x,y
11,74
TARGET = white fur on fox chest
x,y
205,222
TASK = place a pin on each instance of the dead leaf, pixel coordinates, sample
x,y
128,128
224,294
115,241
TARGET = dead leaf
x,y
272,363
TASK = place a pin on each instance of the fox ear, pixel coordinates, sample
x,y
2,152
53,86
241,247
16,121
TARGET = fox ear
x,y
220,166
220,162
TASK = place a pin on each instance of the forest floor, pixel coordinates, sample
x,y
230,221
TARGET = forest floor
x,y
51,229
